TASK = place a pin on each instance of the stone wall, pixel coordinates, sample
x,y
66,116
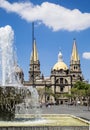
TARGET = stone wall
x,y
46,128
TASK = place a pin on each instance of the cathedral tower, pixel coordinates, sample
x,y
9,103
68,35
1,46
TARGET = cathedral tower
x,y
75,67
34,72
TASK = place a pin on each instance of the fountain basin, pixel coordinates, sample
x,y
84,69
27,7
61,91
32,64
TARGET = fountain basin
x,y
48,122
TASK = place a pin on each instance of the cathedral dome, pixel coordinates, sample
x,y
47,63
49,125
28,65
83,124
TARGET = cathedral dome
x,y
60,64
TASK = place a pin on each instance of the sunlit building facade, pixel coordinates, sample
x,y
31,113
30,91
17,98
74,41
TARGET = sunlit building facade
x,y
53,89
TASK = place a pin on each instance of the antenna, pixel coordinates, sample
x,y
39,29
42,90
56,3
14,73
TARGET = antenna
x,y
32,33
33,53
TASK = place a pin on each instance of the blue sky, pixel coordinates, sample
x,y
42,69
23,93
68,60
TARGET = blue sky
x,y
57,23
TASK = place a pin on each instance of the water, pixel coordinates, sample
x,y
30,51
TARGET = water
x,y
7,55
30,104
28,96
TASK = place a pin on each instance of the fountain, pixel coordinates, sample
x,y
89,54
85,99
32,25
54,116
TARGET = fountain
x,y
6,52
19,106
15,99
30,104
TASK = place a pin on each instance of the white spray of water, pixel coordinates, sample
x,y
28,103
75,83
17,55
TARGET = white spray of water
x,y
30,105
7,54
8,65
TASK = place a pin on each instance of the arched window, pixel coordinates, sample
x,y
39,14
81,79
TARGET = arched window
x,y
66,82
57,81
61,80
61,88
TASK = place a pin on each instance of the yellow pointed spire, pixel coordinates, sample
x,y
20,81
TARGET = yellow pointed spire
x,y
74,56
34,54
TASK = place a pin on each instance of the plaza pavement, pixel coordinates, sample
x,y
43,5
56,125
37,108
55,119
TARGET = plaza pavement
x,y
79,111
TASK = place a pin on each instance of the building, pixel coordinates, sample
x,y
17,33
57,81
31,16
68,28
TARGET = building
x,y
53,89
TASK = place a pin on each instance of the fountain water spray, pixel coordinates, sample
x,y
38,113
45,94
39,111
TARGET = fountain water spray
x,y
7,55
30,104
13,89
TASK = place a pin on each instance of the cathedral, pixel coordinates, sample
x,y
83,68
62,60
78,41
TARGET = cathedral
x,y
53,89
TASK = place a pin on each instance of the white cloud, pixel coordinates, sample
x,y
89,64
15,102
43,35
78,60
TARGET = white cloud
x,y
52,15
86,55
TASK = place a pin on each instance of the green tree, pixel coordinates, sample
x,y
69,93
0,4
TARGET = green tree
x,y
88,97
81,90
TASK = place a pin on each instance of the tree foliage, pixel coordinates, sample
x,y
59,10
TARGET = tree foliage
x,y
81,90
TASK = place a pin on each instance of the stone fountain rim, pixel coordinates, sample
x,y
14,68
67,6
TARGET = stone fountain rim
x,y
19,124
